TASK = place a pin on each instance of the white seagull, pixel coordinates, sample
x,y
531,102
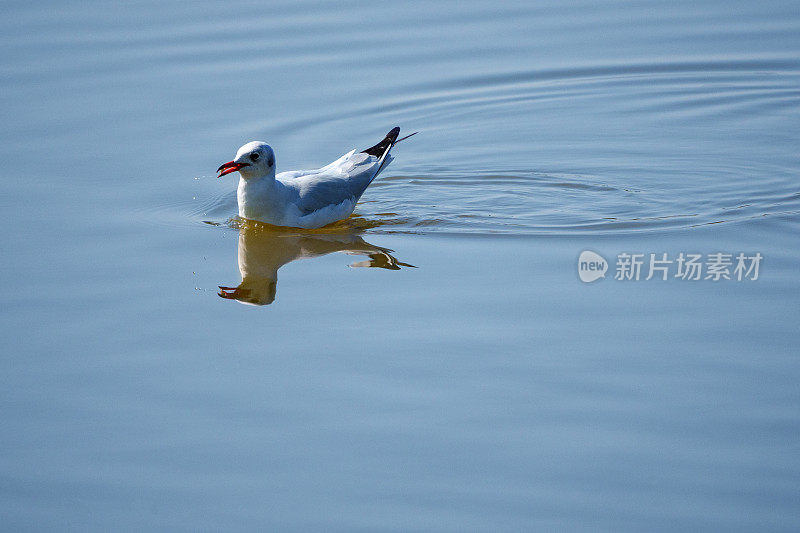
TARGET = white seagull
x,y
305,198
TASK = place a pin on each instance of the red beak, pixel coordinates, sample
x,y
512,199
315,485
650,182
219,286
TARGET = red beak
x,y
230,166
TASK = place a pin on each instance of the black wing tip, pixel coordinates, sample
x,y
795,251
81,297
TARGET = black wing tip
x,y
387,142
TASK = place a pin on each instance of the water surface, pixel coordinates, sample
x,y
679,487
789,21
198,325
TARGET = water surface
x,y
433,363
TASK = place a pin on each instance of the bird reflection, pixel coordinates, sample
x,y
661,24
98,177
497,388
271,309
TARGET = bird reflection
x,y
263,250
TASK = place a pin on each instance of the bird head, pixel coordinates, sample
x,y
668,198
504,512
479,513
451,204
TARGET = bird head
x,y
253,160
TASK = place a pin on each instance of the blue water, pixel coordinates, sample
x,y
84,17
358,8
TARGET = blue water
x,y
434,363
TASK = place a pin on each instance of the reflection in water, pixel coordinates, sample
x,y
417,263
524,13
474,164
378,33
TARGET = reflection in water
x,y
264,249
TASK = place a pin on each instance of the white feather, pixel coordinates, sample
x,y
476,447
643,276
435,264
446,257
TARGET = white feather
x,y
304,199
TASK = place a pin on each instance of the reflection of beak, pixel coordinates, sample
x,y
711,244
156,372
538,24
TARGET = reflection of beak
x,y
230,166
264,294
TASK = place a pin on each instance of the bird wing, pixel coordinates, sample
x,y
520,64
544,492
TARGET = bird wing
x,y
342,182
345,179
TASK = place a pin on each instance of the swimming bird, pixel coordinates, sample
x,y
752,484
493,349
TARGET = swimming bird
x,y
305,198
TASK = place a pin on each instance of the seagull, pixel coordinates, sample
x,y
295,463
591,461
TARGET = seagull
x,y
305,198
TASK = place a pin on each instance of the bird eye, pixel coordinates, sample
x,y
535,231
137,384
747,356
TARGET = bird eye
x,y
254,157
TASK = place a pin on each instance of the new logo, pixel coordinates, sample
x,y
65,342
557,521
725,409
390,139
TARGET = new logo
x,y
591,266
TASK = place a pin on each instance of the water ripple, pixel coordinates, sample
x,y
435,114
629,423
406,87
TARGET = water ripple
x,y
610,148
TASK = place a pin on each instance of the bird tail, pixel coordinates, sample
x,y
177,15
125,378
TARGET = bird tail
x,y
381,150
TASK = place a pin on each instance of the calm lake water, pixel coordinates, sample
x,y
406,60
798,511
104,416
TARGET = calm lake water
x,y
468,380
